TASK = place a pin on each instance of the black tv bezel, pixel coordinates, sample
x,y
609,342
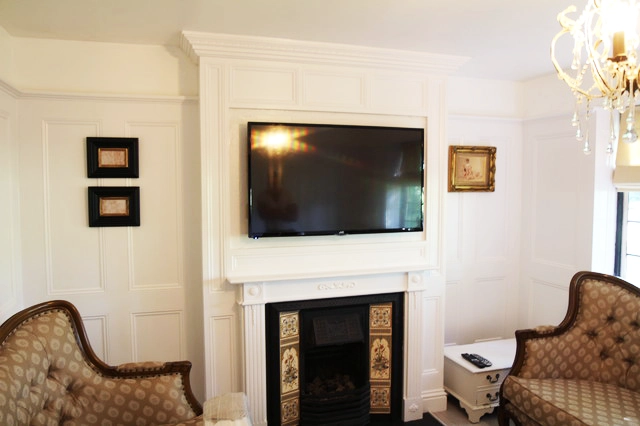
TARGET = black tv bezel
x,y
342,232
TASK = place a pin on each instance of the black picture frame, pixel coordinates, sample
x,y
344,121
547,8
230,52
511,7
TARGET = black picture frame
x,y
114,206
112,157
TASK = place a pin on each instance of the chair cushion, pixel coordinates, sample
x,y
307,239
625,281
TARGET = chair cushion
x,y
572,402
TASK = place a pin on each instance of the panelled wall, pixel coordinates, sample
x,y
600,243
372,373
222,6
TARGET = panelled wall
x,y
568,213
10,259
136,287
483,237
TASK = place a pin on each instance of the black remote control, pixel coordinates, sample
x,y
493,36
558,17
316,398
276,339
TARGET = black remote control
x,y
477,360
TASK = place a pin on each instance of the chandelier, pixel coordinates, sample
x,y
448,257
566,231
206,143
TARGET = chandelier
x,y
604,65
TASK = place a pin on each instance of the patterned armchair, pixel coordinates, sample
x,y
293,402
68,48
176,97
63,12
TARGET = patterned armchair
x,y
586,371
49,375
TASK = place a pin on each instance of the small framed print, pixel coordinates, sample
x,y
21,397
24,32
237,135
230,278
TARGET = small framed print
x,y
114,206
472,168
112,157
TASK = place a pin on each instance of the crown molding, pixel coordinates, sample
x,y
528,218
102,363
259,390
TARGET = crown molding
x,y
9,89
36,94
199,44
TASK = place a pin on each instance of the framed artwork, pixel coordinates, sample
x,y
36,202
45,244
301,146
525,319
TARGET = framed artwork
x,y
114,206
112,157
472,168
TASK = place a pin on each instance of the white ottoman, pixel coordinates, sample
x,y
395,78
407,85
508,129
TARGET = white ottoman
x,y
230,409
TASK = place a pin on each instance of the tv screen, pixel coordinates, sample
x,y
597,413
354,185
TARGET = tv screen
x,y
311,179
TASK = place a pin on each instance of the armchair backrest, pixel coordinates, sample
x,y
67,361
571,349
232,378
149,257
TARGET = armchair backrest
x,y
50,375
599,339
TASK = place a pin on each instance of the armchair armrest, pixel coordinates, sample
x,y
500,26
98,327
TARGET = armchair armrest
x,y
538,352
158,373
140,366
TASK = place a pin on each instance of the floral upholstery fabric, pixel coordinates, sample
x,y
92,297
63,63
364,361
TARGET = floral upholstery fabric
x,y
585,371
46,379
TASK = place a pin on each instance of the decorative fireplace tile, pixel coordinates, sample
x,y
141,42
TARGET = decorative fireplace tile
x,y
380,334
290,412
289,325
381,359
380,316
289,368
380,400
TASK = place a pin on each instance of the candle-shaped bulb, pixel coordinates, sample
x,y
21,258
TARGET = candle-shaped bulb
x,y
619,49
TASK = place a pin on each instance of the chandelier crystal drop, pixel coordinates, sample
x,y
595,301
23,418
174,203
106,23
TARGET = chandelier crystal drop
x,y
604,63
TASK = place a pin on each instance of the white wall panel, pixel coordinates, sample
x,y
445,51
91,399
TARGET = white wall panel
x,y
336,90
455,322
225,355
263,85
556,188
147,329
7,284
548,303
10,284
558,216
96,328
492,232
488,308
157,243
73,252
397,95
479,98
116,255
483,238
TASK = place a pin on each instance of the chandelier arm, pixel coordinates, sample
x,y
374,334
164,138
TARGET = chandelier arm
x,y
571,81
600,80
598,74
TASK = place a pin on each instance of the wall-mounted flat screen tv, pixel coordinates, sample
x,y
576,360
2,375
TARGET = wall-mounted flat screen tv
x,y
312,179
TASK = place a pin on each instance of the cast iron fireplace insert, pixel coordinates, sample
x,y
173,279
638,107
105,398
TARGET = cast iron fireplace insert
x,y
335,361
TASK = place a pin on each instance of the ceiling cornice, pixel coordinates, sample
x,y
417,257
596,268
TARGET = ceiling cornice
x,y
199,44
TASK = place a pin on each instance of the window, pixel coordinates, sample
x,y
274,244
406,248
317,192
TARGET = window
x,y
628,237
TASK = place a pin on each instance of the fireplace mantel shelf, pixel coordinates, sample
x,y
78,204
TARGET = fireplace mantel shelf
x,y
320,275
263,292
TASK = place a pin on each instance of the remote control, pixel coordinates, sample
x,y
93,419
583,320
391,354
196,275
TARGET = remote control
x,y
477,360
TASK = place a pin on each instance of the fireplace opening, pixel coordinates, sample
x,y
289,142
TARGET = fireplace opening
x,y
335,361
336,389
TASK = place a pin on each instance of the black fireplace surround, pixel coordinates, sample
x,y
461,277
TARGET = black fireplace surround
x,y
334,368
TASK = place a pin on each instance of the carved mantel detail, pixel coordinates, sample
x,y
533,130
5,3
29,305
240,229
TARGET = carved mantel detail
x,y
336,285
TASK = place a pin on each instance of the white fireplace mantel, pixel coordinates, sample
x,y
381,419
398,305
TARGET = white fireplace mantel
x,y
254,78
254,296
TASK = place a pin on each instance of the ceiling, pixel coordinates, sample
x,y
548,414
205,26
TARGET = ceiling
x,y
504,39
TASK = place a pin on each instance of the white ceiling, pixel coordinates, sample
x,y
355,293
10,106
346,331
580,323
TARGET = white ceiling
x,y
504,39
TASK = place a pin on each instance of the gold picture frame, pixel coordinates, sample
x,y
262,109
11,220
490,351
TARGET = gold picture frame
x,y
472,168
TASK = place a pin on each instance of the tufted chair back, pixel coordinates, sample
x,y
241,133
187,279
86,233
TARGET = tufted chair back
x,y
598,340
49,375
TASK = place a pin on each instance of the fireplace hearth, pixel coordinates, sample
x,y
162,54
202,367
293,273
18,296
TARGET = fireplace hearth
x,y
335,361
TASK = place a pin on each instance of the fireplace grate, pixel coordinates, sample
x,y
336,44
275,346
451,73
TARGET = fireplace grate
x,y
348,408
